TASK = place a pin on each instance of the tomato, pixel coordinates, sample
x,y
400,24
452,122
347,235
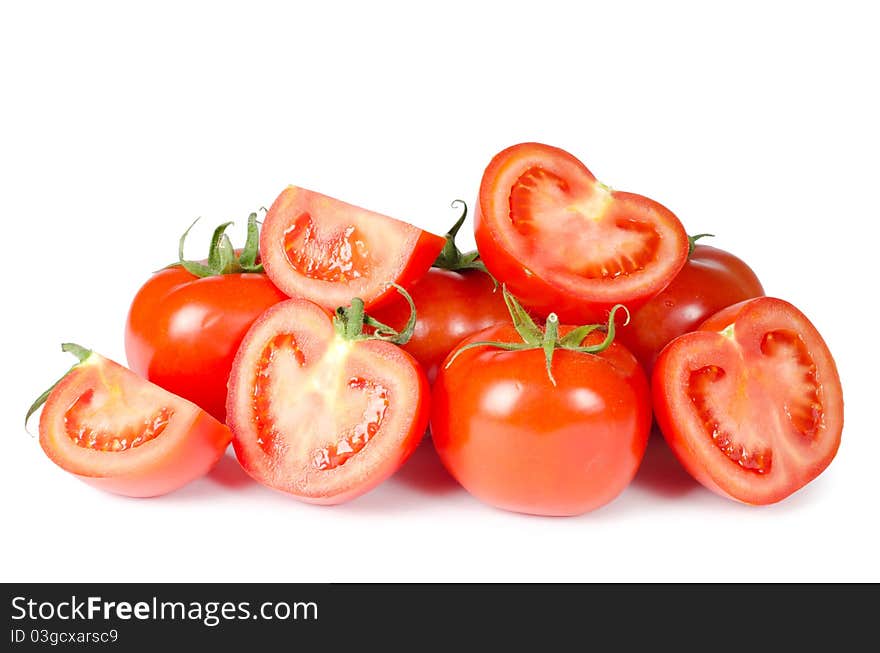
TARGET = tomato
x,y
317,409
451,306
751,402
518,441
183,330
562,241
711,279
454,299
322,249
114,430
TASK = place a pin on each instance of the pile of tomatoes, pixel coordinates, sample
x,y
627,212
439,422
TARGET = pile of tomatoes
x,y
326,346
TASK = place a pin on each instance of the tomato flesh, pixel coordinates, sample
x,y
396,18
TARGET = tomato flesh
x,y
751,402
318,416
576,230
327,251
563,242
120,433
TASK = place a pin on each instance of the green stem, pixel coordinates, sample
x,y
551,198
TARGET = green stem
x,y
81,354
692,242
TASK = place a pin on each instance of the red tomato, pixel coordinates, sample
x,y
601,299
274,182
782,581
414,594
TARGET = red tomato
x,y
711,279
562,241
751,402
120,433
317,414
517,442
183,331
327,251
451,306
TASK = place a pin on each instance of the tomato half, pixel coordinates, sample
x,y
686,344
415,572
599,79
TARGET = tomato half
x,y
564,242
518,442
451,306
751,403
320,416
120,433
182,331
711,279
327,251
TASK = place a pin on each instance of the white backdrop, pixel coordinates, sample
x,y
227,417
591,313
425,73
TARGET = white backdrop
x,y
757,123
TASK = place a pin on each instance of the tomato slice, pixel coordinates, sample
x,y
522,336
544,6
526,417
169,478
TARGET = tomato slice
x,y
751,402
319,416
327,251
564,242
122,434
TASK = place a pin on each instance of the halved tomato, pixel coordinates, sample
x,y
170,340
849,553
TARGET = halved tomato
x,y
319,410
562,241
751,403
114,430
322,249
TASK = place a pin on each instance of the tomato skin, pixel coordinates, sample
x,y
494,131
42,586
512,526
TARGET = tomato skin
x,y
449,307
314,332
529,276
732,339
189,447
711,279
519,443
182,331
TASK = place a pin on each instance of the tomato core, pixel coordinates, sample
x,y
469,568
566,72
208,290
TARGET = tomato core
x,y
578,232
131,436
341,256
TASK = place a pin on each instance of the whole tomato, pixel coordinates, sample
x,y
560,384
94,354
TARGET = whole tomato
x,y
552,423
187,321
455,299
711,279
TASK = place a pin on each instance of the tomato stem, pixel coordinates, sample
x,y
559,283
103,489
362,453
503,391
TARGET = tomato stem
x,y
548,339
351,320
451,257
692,241
81,354
222,258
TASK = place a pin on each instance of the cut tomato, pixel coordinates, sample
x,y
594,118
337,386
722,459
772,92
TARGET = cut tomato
x,y
122,434
751,402
322,249
320,415
562,241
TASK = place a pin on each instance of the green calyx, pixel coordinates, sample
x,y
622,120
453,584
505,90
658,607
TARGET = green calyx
x,y
451,257
350,321
222,257
81,354
692,242
548,338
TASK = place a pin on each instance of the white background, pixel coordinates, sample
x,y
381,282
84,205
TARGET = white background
x,y
757,122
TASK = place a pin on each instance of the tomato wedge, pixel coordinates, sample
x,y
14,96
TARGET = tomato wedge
x,y
322,249
115,431
319,410
751,403
562,241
